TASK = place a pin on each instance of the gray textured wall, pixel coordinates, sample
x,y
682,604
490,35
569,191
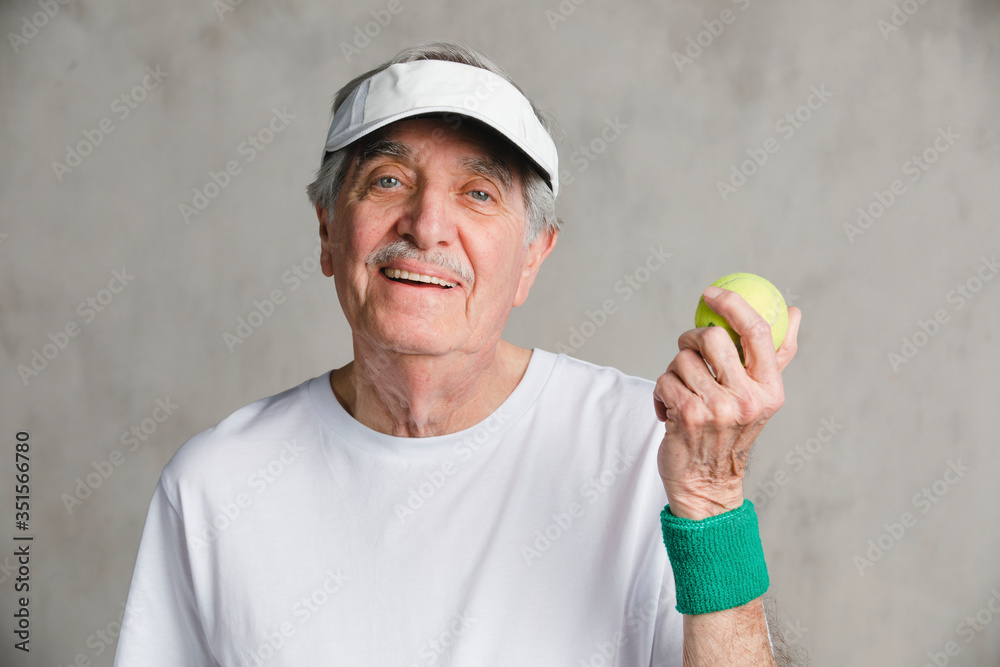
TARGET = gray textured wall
x,y
924,264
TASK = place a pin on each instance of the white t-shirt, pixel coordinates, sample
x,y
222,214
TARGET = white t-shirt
x,y
290,534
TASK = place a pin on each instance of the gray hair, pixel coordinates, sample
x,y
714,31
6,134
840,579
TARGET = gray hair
x,y
539,202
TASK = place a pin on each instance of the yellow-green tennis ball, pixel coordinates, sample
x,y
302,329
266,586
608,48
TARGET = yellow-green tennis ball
x,y
759,293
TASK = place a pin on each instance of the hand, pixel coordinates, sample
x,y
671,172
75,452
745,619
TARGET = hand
x,y
713,418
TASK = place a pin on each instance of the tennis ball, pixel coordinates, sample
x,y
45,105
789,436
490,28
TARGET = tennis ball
x,y
759,293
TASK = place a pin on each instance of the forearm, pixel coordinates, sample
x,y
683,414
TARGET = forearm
x,y
735,636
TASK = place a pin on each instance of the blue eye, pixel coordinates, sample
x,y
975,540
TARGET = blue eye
x,y
387,182
480,195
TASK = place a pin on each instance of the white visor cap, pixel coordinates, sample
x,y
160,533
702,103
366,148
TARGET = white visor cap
x,y
437,86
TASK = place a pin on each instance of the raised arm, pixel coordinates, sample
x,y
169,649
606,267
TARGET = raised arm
x,y
713,409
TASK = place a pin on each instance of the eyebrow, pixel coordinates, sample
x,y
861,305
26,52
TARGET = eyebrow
x,y
382,148
490,167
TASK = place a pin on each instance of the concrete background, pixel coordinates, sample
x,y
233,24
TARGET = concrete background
x,y
823,492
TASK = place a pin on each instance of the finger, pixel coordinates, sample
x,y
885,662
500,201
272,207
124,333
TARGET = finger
x,y
658,404
668,395
676,404
753,330
790,345
717,348
691,367
735,397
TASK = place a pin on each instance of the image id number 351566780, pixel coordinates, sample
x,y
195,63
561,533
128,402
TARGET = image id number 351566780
x,y
22,506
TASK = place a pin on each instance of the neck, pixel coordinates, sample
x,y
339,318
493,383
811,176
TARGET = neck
x,y
419,396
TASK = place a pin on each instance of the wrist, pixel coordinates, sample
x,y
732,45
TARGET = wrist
x,y
698,504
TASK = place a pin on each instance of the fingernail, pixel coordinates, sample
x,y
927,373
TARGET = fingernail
x,y
712,292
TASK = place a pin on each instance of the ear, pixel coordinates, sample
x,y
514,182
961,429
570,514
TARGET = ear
x,y
537,252
325,242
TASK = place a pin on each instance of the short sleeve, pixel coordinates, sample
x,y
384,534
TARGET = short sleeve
x,y
668,633
161,626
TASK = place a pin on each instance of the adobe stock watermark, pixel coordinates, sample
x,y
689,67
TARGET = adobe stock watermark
x,y
625,289
421,492
591,490
914,167
104,638
88,310
796,459
967,631
791,298
562,12
924,500
223,7
926,330
263,309
785,635
369,31
587,153
259,481
793,633
261,312
786,127
122,107
698,43
899,16
7,570
131,440
437,648
248,149
303,611
38,20
604,652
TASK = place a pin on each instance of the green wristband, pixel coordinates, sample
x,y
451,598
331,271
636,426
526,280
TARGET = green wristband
x,y
718,562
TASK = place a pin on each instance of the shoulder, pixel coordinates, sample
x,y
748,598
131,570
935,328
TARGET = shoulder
x,y
586,377
253,432
588,391
604,421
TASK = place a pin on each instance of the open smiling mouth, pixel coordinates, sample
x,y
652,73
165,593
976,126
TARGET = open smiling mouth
x,y
416,279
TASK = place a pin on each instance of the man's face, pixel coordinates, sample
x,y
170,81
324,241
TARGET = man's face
x,y
453,197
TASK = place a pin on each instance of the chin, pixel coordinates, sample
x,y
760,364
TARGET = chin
x,y
410,336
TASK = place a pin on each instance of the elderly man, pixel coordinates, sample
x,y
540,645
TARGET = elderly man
x,y
448,497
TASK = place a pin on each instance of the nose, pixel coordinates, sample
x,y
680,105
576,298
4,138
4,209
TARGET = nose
x,y
427,220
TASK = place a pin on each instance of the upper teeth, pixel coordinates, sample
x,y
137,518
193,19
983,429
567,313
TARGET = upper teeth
x,y
419,277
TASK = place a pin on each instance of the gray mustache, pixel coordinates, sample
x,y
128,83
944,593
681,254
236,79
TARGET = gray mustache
x,y
403,249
